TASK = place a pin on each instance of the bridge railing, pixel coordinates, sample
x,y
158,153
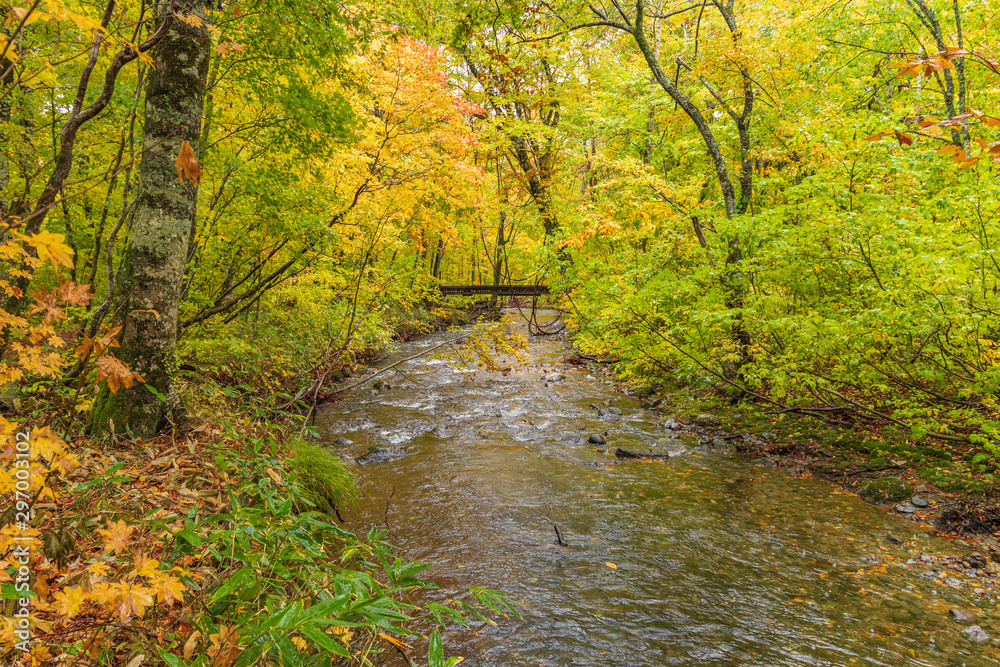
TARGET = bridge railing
x,y
499,290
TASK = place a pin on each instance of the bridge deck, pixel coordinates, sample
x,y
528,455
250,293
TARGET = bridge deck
x,y
499,290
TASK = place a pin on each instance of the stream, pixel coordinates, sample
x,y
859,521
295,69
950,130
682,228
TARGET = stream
x,y
706,558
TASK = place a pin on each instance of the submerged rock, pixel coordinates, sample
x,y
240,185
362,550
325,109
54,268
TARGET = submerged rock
x,y
627,454
378,455
343,441
961,616
976,634
610,412
885,490
553,377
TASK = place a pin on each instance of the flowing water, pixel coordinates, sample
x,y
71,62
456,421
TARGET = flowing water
x,y
705,559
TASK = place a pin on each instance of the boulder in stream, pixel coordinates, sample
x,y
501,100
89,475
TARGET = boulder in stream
x,y
378,455
596,439
553,377
885,490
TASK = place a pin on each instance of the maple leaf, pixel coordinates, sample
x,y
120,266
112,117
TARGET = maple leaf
x,y
116,372
225,646
116,538
46,302
73,294
84,347
146,566
108,340
51,247
191,19
187,164
169,589
99,570
70,601
224,48
132,601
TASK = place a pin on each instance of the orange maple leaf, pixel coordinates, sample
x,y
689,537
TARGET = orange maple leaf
x,y
73,294
116,372
225,646
117,537
187,164
169,590
132,601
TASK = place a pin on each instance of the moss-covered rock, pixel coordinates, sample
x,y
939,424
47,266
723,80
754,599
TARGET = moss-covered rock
x,y
886,490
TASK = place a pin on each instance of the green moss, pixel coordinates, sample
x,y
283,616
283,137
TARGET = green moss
x,y
321,477
886,490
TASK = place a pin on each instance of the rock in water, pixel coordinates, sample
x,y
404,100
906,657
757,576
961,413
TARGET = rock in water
x,y
885,490
553,377
905,508
626,454
378,455
596,439
961,616
343,441
917,501
976,634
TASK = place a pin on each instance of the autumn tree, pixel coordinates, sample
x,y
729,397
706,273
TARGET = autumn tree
x,y
148,290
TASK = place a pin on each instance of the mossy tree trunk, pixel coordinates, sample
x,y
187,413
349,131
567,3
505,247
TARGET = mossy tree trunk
x,y
147,294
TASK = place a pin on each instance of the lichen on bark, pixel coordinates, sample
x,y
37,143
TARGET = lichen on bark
x,y
148,290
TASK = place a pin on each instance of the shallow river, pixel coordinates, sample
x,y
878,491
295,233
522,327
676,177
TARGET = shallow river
x,y
706,559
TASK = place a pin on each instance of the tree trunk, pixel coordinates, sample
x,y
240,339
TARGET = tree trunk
x,y
437,258
148,292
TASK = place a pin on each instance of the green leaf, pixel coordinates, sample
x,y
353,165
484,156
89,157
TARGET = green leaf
x,y
435,652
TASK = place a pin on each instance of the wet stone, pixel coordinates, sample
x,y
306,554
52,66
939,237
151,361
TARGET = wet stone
x,y
905,508
961,615
596,439
378,455
553,377
671,424
917,501
952,581
976,634
343,441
